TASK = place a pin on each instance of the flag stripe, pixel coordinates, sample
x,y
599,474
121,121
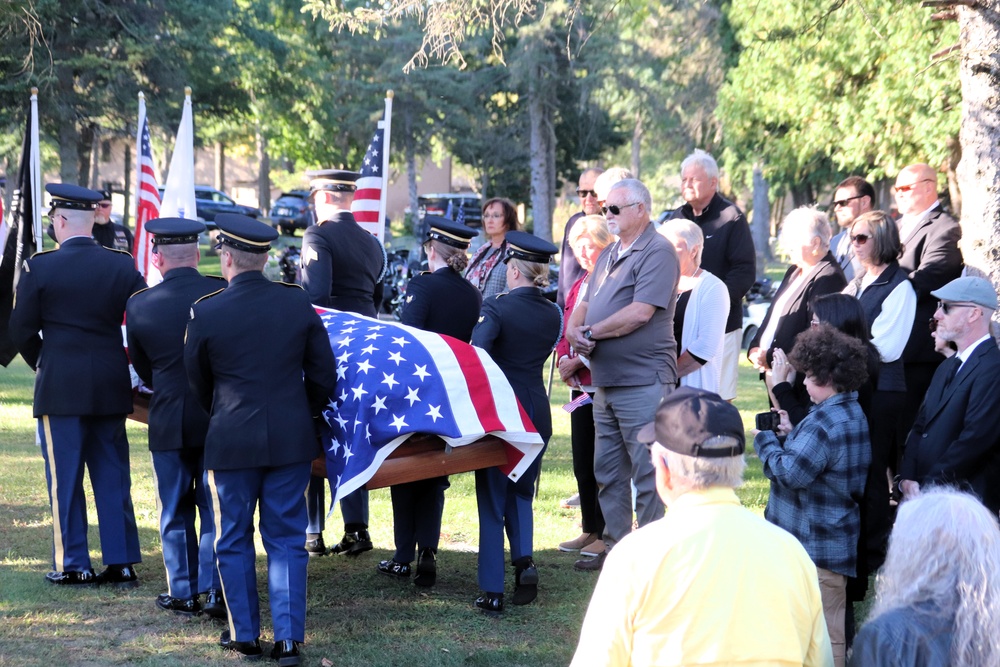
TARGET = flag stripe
x,y
479,385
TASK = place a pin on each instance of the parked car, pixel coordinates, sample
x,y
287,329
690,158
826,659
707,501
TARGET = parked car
x,y
291,211
755,306
209,202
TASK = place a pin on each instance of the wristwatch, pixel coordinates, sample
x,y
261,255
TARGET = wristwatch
x,y
589,334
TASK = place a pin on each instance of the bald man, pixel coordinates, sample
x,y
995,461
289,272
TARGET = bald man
x,y
931,259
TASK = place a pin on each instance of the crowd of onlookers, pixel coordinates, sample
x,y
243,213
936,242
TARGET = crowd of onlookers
x,y
867,416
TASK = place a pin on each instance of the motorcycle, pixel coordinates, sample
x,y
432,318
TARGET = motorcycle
x,y
397,275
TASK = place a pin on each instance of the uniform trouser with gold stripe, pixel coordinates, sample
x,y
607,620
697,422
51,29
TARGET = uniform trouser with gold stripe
x,y
281,495
188,551
68,444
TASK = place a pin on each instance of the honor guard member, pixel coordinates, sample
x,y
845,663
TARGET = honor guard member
x,y
443,301
519,330
66,323
342,267
156,319
259,360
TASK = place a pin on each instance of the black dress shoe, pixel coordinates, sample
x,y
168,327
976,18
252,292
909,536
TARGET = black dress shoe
x,y
120,576
215,604
591,564
315,545
526,581
426,568
491,604
394,569
353,544
286,652
84,579
188,607
245,650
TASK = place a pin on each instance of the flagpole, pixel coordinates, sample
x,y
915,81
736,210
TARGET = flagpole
x,y
35,163
385,164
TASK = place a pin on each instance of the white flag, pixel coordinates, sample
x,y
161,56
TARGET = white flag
x,y
178,193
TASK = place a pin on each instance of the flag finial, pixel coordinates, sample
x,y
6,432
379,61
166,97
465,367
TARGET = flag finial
x,y
34,90
142,95
389,94
187,91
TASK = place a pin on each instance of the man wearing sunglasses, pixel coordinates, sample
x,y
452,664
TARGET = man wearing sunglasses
x,y
569,269
110,234
956,436
623,326
853,196
729,252
931,258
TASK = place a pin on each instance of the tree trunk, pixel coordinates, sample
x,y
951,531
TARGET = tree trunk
x,y
637,145
68,167
220,166
542,155
760,228
128,181
84,146
264,173
411,173
94,167
979,169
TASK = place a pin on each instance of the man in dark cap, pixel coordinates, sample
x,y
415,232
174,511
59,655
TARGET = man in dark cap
x,y
75,296
342,268
156,320
710,582
259,360
110,234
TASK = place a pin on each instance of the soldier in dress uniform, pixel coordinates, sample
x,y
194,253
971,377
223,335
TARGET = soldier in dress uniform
x,y
519,329
259,360
443,301
156,319
342,268
75,296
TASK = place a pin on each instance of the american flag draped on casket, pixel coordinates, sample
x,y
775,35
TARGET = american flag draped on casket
x,y
394,382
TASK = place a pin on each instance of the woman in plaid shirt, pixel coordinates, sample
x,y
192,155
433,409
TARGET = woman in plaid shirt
x,y
818,469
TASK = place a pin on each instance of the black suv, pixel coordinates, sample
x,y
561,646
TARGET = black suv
x,y
209,202
471,204
292,211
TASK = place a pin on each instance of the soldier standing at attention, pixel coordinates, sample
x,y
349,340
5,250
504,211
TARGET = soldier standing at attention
x,y
75,296
259,360
156,320
342,268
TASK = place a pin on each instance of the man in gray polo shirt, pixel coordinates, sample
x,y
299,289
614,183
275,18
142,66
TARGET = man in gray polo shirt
x,y
624,326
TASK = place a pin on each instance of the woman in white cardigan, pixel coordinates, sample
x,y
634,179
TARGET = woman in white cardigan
x,y
702,310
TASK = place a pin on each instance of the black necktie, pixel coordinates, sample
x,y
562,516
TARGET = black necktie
x,y
956,363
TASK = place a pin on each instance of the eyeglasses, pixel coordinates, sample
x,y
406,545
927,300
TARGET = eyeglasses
x,y
946,306
586,193
104,205
907,188
617,210
860,239
843,202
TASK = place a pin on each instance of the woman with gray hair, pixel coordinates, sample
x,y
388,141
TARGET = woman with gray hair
x,y
805,235
701,311
938,594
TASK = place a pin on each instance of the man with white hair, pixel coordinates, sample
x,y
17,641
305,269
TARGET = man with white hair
x,y
623,325
711,583
956,436
729,253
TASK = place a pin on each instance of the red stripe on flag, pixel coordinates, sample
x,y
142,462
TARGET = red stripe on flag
x,y
514,456
366,216
479,385
367,193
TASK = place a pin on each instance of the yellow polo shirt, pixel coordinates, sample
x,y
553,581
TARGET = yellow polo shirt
x,y
708,584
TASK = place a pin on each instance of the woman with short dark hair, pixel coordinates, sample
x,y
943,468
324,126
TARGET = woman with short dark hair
x,y
818,469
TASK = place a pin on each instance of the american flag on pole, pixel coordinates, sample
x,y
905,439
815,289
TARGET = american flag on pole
x,y
148,201
394,381
369,200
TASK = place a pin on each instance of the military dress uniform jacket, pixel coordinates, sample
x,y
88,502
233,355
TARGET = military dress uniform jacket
x,y
443,302
342,266
956,436
259,360
519,329
156,319
76,297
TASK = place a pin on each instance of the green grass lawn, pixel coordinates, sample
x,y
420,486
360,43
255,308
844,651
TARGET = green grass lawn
x,y
355,616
